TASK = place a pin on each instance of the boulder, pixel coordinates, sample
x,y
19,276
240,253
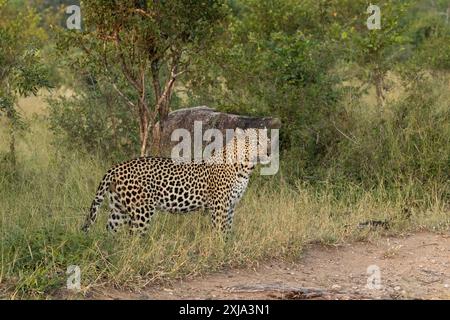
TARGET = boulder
x,y
210,119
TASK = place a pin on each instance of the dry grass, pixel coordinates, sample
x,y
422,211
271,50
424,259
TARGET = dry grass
x,y
43,205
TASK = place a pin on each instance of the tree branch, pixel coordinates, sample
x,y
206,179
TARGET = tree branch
x,y
105,61
130,103
126,70
155,78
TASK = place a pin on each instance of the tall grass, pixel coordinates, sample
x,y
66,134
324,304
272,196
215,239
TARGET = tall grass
x,y
394,169
44,203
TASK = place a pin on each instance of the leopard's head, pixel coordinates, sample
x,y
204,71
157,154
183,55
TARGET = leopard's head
x,y
248,147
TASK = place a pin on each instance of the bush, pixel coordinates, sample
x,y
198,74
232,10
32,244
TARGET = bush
x,y
95,122
410,142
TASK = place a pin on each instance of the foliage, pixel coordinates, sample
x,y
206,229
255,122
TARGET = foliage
x,y
365,127
147,45
95,122
44,206
22,72
412,145
430,33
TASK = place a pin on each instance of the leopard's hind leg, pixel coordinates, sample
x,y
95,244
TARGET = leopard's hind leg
x,y
140,218
118,216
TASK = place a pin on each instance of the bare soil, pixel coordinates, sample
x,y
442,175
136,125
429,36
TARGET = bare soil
x,y
414,266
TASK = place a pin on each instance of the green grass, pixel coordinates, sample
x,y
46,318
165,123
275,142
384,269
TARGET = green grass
x,y
43,204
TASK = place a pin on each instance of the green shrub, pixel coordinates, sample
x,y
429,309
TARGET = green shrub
x,y
95,122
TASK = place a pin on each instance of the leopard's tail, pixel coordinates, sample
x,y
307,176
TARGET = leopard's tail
x,y
96,203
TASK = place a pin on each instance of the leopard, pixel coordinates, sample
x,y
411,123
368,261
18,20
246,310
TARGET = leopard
x,y
137,188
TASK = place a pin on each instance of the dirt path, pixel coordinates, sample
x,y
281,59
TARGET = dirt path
x,y
414,266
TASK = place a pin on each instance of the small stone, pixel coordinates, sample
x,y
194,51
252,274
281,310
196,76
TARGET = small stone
x,y
397,288
335,286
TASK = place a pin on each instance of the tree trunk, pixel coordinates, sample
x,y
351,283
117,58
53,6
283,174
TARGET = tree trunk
x,y
379,87
12,147
158,128
143,128
156,139
163,108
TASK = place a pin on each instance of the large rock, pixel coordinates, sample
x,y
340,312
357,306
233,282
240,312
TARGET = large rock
x,y
211,119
